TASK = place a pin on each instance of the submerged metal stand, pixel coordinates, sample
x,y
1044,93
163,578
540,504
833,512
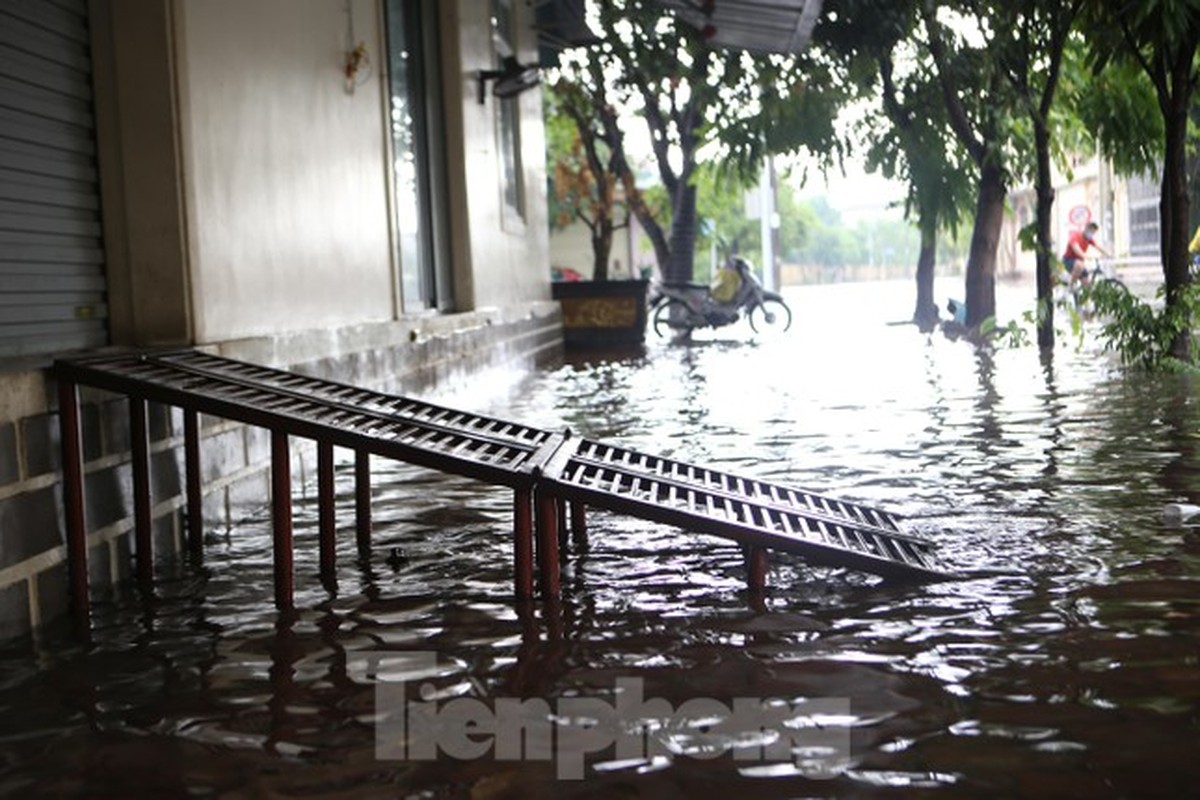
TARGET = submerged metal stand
x,y
72,467
281,519
554,476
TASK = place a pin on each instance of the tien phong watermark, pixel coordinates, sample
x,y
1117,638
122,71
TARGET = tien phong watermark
x,y
414,722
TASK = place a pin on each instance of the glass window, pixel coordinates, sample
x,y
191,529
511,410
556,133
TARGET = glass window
x,y
417,160
504,38
1144,230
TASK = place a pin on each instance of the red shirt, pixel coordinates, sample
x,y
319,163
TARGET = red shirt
x,y
1078,238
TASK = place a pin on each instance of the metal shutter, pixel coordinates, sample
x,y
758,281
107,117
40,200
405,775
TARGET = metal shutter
x,y
52,285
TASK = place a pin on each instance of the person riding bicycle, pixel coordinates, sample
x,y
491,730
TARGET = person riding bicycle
x,y
1077,247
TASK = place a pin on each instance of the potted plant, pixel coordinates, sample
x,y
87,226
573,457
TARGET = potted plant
x,y
591,185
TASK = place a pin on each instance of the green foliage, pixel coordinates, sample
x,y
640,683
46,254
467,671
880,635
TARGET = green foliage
x,y
1115,108
700,104
1143,333
1012,335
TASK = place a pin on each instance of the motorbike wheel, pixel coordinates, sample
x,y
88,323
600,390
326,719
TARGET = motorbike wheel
x,y
770,316
671,316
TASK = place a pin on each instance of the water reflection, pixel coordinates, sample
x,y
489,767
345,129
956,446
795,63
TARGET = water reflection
x,y
1068,670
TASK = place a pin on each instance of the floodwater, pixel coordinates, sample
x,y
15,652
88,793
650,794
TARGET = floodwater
x,y
1067,663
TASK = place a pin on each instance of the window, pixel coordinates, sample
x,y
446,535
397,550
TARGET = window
x,y
1144,231
504,38
418,161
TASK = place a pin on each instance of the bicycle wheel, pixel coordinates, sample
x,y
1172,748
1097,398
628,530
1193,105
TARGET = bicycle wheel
x,y
671,316
770,316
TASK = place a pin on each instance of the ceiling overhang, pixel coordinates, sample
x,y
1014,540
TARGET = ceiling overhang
x,y
758,26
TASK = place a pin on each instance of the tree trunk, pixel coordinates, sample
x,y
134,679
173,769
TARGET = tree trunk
x,y
1044,187
680,262
985,239
602,236
926,313
1173,212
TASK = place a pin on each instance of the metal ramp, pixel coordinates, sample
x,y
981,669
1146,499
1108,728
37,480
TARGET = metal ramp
x,y
547,471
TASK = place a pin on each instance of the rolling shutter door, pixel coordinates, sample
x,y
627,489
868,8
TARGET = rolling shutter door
x,y
52,285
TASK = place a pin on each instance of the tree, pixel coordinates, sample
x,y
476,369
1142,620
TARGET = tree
x,y
733,106
1029,45
1161,37
870,38
978,104
585,170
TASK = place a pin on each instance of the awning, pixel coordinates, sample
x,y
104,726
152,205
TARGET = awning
x,y
760,26
561,24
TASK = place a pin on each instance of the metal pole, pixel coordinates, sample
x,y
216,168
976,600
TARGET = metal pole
x,y
195,491
523,543
281,502
579,524
362,501
72,467
546,522
326,509
757,563
140,462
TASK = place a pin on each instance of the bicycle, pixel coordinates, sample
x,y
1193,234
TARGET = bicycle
x,y
1103,272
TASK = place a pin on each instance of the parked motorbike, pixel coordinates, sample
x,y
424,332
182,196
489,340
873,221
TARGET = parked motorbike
x,y
682,307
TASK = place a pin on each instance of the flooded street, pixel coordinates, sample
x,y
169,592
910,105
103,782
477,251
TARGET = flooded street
x,y
1066,665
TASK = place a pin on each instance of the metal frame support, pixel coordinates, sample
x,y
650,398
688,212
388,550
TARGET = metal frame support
x,y
757,563
362,502
326,510
195,489
76,519
579,524
143,522
281,518
546,524
523,543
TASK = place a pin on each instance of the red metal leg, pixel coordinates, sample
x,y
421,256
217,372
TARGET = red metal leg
x,y
362,501
72,466
326,509
140,461
523,543
195,491
281,500
579,524
757,562
560,516
546,509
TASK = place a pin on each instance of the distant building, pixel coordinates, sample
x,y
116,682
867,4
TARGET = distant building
x,y
1125,207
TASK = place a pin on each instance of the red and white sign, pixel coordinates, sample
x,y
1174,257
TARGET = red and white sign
x,y
1079,216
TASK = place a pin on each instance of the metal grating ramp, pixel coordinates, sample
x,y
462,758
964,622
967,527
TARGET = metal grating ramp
x,y
404,429
545,469
754,512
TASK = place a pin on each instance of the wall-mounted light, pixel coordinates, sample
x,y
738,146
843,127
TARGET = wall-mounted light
x,y
510,80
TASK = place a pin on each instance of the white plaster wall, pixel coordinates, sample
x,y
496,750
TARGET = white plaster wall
x,y
572,247
285,182
508,258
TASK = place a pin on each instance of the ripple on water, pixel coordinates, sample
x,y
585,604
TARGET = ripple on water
x,y
1065,665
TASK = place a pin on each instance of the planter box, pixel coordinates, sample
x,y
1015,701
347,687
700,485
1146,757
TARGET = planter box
x,y
604,314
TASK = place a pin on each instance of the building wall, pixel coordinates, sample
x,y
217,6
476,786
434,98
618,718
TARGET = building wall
x,y
505,254
245,198
284,170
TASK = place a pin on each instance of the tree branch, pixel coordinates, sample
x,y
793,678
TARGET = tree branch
x,y
959,122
